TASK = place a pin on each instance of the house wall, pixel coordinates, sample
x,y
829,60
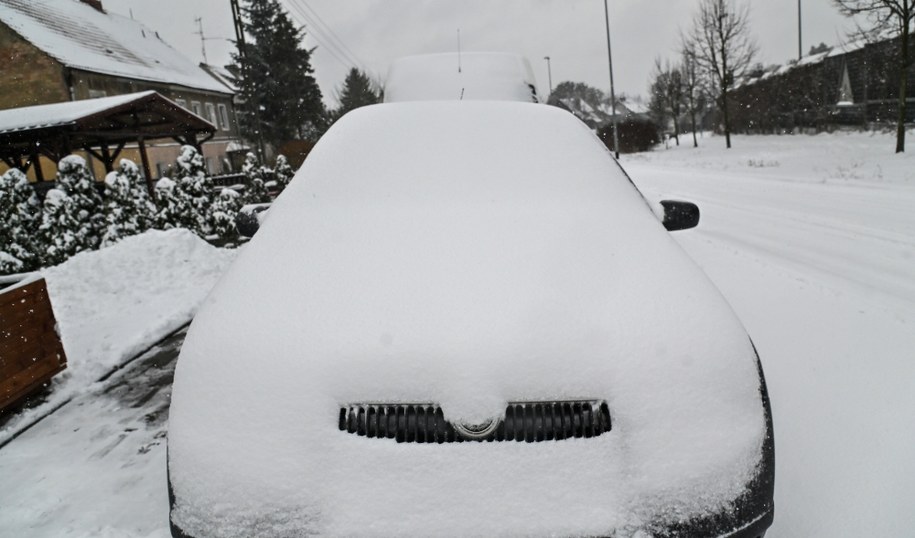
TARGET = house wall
x,y
28,76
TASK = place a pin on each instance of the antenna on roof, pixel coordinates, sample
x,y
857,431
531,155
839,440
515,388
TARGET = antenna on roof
x,y
459,50
203,40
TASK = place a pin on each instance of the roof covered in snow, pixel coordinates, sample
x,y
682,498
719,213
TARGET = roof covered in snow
x,y
53,115
114,119
81,37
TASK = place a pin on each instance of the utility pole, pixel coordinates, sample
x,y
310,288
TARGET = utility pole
x,y
616,131
800,30
239,27
549,73
203,40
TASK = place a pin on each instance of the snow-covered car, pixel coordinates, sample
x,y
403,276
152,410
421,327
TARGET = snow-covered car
x,y
463,319
468,76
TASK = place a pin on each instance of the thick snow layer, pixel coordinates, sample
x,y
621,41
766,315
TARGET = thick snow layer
x,y
470,268
489,76
112,303
81,37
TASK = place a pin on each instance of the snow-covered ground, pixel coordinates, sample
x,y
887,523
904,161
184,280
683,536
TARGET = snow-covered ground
x,y
113,303
811,239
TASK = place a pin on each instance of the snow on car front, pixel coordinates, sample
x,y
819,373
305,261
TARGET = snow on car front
x,y
420,258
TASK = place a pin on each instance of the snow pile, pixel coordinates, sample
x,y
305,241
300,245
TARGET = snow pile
x,y
482,76
470,269
112,303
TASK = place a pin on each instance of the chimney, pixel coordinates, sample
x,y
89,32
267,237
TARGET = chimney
x,y
97,4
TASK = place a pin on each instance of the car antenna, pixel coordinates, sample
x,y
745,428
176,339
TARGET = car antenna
x,y
459,50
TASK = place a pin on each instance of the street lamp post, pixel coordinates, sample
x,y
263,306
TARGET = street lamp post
x,y
616,131
549,73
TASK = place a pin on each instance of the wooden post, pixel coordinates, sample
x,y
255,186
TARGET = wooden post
x,y
107,158
36,164
145,158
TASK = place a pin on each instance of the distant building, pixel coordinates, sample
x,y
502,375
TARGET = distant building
x,y
66,50
856,84
598,116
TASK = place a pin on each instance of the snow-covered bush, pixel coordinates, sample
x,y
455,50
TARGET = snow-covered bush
x,y
195,190
128,210
283,173
168,205
223,211
74,178
255,187
60,233
21,213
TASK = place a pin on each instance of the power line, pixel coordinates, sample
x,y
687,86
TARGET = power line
x,y
307,22
326,37
333,34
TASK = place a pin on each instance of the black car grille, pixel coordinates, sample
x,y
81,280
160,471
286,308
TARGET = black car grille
x,y
523,421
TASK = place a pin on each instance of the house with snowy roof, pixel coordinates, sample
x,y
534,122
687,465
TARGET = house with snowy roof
x,y
855,84
56,51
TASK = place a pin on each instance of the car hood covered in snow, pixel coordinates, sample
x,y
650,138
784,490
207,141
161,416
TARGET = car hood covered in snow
x,y
467,254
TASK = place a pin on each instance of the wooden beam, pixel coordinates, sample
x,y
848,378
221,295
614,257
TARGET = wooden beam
x,y
36,164
145,158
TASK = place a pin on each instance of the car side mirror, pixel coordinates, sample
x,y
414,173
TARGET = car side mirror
x,y
680,215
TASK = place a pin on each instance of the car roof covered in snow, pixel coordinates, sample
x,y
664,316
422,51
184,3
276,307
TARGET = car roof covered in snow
x,y
465,76
82,37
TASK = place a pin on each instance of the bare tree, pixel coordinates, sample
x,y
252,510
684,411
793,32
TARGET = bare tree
x,y
666,101
692,85
889,18
724,47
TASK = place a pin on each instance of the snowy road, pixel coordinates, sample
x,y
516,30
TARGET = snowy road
x,y
823,276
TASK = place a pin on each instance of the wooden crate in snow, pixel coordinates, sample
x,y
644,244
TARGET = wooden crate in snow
x,y
31,352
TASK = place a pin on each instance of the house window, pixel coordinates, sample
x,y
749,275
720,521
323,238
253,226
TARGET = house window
x,y
182,103
223,117
94,94
211,114
195,108
211,168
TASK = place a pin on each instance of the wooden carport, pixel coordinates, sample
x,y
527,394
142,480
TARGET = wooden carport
x,y
101,127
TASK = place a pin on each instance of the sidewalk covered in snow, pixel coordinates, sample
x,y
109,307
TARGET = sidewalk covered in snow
x,y
101,127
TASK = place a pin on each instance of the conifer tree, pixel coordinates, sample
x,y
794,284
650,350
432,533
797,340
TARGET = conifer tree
x,y
223,211
21,215
127,208
357,91
283,173
169,205
282,100
58,232
255,187
194,191
74,178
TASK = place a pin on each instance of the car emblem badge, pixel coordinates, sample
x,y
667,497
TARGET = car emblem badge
x,y
474,431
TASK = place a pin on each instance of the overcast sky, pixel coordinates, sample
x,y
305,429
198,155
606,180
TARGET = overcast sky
x,y
372,33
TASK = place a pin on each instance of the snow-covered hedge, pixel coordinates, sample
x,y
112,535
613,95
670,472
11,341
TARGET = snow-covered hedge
x,y
76,216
